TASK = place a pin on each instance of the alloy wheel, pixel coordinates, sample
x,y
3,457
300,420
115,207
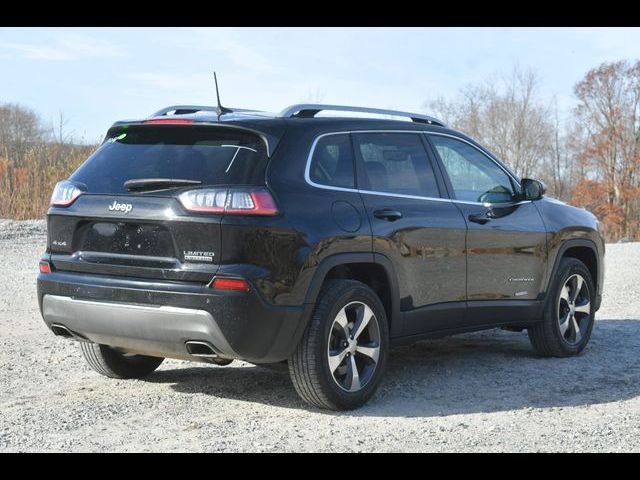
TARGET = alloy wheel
x,y
354,346
574,309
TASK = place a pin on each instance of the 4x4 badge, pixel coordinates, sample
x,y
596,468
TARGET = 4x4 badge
x,y
120,207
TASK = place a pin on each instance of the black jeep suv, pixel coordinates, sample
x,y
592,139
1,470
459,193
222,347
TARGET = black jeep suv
x,y
214,235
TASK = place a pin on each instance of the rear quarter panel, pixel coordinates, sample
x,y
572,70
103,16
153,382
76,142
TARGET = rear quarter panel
x,y
280,254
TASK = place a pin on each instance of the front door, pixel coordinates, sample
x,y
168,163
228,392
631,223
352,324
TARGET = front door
x,y
506,238
422,233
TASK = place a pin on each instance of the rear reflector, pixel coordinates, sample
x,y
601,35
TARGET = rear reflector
x,y
235,201
237,284
169,121
45,267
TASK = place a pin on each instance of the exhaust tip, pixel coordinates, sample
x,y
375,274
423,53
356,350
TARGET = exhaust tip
x,y
198,348
61,330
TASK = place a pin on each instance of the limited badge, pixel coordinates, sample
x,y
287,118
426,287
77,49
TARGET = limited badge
x,y
191,256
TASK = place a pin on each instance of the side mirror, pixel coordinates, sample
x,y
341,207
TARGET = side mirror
x,y
532,189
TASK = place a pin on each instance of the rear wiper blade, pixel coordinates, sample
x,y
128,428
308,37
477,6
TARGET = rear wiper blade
x,y
158,183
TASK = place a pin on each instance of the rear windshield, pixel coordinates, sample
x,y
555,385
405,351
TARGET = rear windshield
x,y
211,155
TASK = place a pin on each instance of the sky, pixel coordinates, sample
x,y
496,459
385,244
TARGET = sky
x,y
95,76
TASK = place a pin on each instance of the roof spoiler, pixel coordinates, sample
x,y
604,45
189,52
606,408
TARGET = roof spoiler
x,y
189,109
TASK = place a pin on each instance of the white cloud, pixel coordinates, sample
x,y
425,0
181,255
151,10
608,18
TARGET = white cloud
x,y
38,52
222,41
65,47
617,43
87,46
170,81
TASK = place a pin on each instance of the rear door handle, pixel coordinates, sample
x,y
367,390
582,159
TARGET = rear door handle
x,y
480,218
388,214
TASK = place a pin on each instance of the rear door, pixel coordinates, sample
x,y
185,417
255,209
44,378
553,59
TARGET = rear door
x,y
506,239
421,232
146,232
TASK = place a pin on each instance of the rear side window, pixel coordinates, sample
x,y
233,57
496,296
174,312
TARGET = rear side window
x,y
332,162
211,155
396,163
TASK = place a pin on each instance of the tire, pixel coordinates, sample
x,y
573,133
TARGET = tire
x,y
327,334
547,337
113,364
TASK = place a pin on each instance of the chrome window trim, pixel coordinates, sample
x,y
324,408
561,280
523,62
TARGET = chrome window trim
x,y
307,171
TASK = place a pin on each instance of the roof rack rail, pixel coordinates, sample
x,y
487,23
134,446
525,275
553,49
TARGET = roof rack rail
x,y
309,110
188,109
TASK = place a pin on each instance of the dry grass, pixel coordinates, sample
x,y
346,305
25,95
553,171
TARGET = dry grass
x,y
26,182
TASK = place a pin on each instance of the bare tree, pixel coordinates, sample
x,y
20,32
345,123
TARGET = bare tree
x,y
20,128
314,96
559,170
61,133
507,116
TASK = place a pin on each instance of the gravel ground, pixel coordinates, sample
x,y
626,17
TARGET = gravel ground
x,y
475,392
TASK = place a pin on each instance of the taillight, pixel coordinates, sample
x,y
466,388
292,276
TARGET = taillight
x,y
45,267
237,284
255,202
64,194
235,201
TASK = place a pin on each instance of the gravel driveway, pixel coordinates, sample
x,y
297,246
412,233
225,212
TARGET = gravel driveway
x,y
474,392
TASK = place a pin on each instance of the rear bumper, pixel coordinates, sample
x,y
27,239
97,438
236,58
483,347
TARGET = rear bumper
x,y
154,330
157,318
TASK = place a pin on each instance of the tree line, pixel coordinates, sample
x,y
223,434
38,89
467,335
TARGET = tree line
x,y
589,158
33,157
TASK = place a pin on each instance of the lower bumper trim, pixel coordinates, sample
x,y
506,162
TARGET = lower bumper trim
x,y
146,329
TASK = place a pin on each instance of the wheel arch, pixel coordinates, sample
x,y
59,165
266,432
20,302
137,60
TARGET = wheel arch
x,y
372,269
584,250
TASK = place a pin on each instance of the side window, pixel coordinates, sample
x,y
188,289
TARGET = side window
x,y
332,162
474,176
396,163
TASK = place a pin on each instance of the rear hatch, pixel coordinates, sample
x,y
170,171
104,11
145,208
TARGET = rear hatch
x,y
149,202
